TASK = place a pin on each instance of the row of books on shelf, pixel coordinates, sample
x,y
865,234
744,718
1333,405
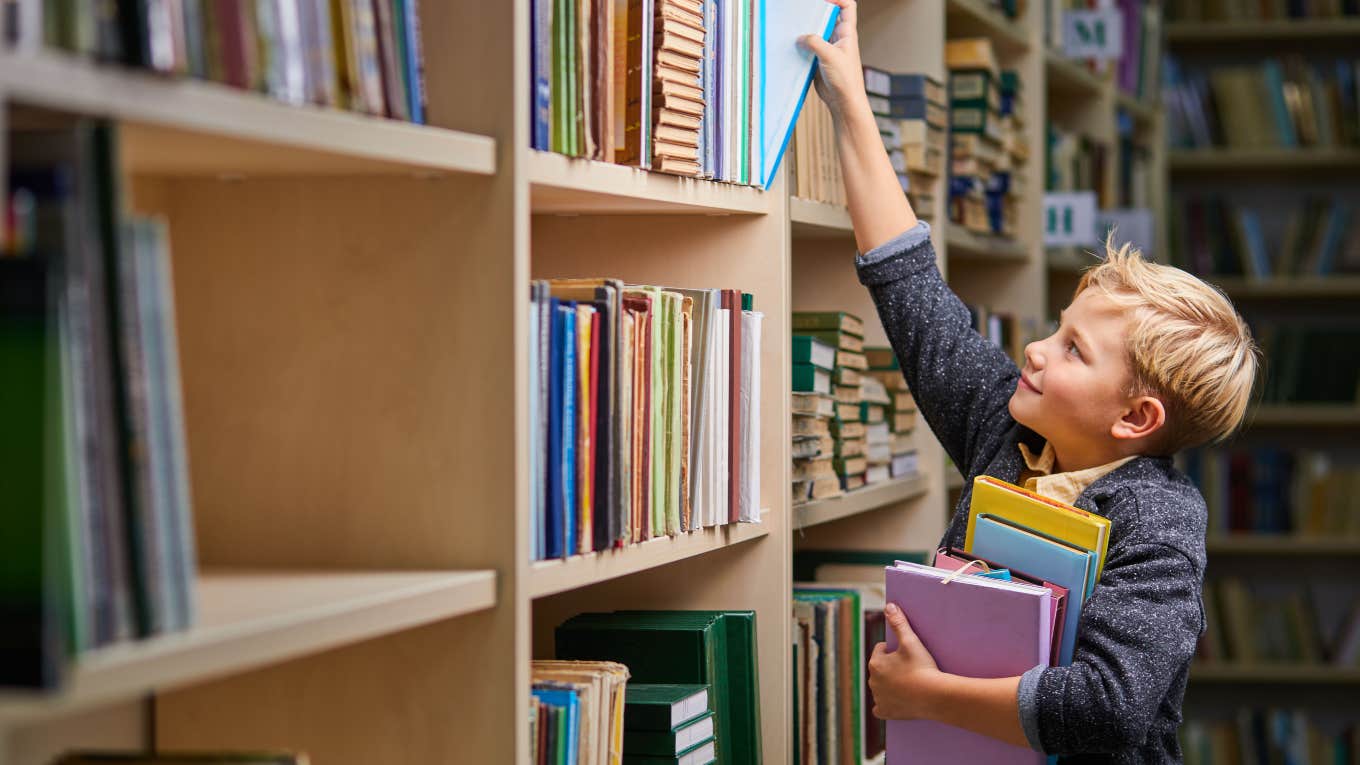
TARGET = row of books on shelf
x,y
1249,10
1135,169
988,143
112,757
1138,70
698,88
852,412
1216,236
1006,603
645,407
361,55
1076,162
1250,624
1268,736
1288,103
1309,361
100,543
645,687
1269,490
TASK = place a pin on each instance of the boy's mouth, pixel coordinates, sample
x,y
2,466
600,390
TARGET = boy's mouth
x,y
1027,385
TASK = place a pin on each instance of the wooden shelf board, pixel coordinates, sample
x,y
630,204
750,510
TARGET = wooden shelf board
x,y
1260,31
1304,416
1319,674
818,220
962,244
551,577
248,619
1281,545
1143,113
565,185
185,127
975,18
1263,160
1071,260
859,501
1290,288
1070,78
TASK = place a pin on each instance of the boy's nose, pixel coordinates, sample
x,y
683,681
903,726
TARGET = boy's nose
x,y
1034,356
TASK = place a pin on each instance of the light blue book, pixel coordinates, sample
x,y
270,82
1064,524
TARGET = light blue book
x,y
786,72
1045,558
561,697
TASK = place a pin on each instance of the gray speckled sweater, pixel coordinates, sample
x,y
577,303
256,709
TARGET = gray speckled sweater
x,y
1120,699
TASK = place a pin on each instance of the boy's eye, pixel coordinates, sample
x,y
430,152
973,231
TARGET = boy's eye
x,y
1073,349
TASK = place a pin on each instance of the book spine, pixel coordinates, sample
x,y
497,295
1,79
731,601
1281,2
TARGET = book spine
x,y
415,60
567,467
553,527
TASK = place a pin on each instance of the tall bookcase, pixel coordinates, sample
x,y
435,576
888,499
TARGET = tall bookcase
x,y
1279,178
353,317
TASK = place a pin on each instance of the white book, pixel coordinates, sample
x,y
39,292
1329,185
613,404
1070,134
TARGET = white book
x,y
749,507
722,473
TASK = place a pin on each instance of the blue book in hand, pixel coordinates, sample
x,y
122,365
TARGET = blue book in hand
x,y
786,70
1042,557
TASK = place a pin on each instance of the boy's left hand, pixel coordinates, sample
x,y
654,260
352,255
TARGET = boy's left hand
x,y
900,680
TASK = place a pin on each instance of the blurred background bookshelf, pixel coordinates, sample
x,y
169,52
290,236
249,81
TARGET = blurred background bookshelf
x,y
1262,206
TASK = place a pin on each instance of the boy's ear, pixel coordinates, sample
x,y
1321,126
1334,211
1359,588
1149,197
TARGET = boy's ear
x,y
1144,416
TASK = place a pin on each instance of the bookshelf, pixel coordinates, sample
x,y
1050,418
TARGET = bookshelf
x,y
867,499
1275,566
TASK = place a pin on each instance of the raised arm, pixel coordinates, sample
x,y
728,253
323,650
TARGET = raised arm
x,y
961,382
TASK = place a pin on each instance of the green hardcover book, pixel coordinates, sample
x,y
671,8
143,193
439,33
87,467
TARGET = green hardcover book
x,y
700,754
849,465
828,320
967,84
663,707
668,743
660,647
560,742
806,563
836,339
813,351
810,379
847,428
745,665
871,413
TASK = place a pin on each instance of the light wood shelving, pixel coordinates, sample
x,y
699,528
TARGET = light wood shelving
x,y
1070,79
1184,33
1298,288
1281,545
556,576
818,220
1304,416
250,619
1274,674
863,500
560,184
1072,260
975,18
962,244
1316,161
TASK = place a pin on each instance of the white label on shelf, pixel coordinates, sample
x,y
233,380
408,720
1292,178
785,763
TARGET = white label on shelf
x,y
1093,34
1069,218
1133,225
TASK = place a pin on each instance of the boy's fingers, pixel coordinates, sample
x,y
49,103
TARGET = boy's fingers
x,y
906,637
849,13
819,47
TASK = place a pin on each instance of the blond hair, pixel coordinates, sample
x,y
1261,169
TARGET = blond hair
x,y
1187,345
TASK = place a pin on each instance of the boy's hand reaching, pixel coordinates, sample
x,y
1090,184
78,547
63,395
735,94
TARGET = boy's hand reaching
x,y
840,78
900,679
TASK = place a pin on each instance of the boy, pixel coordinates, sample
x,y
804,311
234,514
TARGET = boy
x,y
1147,361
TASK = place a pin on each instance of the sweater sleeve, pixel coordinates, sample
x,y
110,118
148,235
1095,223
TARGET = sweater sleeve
x,y
961,382
1136,632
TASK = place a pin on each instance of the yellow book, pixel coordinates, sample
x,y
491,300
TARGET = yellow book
x,y
585,469
1038,513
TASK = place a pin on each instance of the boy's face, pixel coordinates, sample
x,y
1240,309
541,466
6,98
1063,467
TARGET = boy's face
x,y
1074,385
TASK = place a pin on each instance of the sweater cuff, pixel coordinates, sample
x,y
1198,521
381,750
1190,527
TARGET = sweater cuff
x,y
905,253
1027,698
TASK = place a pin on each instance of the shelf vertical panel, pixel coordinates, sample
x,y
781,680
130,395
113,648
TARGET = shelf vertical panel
x,y
351,351
749,252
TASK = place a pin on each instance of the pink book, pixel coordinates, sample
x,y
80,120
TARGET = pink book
x,y
974,627
952,558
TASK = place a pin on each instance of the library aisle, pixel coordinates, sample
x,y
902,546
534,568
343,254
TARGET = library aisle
x,y
367,401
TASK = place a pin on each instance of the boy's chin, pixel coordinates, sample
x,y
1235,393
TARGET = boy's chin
x,y
1023,412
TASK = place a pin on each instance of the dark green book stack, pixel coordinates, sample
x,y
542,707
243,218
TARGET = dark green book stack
x,y
667,723
715,648
845,333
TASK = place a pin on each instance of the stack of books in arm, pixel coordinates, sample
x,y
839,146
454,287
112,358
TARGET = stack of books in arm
x,y
1007,602
669,723
645,405
576,712
713,649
